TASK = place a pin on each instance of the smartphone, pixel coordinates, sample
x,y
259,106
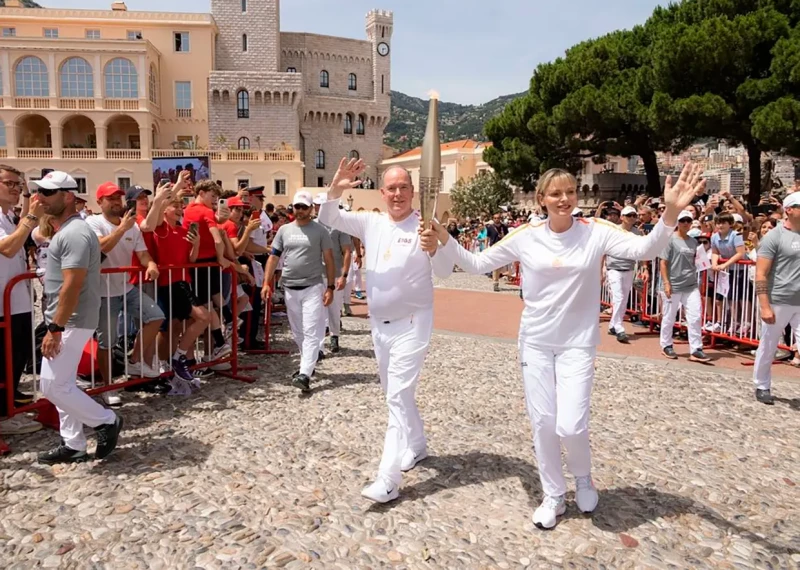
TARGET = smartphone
x,y
187,200
222,202
256,215
193,228
130,206
164,181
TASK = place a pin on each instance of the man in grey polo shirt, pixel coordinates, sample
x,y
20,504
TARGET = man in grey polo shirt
x,y
303,244
619,276
680,288
778,290
342,256
72,288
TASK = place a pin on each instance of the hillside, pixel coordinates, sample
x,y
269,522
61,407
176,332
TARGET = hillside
x,y
407,126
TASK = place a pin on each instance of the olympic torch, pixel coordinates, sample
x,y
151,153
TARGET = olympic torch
x,y
430,169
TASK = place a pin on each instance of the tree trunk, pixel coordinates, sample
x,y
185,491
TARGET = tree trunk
x,y
651,170
754,164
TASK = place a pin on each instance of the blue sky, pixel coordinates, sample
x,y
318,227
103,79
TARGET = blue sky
x,y
471,51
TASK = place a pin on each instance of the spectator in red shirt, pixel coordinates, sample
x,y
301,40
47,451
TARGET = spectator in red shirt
x,y
177,246
212,246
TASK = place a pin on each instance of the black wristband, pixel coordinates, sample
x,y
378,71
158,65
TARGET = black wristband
x,y
332,287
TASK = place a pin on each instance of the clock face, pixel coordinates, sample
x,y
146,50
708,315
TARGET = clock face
x,y
383,48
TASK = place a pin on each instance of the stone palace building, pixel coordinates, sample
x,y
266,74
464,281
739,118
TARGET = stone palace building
x,y
101,93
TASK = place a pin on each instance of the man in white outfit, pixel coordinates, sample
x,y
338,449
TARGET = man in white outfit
x,y
619,276
72,288
342,254
303,244
400,300
778,290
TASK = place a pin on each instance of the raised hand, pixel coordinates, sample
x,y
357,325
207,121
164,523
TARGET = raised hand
x,y
346,177
679,195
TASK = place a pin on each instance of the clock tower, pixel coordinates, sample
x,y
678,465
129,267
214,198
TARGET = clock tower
x,y
379,33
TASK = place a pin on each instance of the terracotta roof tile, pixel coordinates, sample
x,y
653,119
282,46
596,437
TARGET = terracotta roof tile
x,y
464,144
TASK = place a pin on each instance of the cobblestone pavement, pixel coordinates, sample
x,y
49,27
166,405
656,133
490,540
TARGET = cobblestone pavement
x,y
692,472
461,280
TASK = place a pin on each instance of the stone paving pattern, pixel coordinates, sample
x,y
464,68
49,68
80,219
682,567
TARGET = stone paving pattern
x,y
692,472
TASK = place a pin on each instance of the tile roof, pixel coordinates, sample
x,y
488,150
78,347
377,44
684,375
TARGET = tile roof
x,y
464,144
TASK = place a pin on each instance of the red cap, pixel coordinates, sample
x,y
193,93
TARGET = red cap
x,y
107,189
235,202
705,235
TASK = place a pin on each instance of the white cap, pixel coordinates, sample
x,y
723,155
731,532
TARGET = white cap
x,y
577,212
321,198
792,200
694,232
627,210
686,214
57,180
303,197
738,218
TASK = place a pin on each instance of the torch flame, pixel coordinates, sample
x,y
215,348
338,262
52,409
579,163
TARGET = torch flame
x,y
433,94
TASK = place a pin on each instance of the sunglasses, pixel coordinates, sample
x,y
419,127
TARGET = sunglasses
x,y
300,207
685,221
702,241
47,192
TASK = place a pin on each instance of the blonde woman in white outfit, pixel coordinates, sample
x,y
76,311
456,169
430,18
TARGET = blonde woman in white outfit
x,y
561,259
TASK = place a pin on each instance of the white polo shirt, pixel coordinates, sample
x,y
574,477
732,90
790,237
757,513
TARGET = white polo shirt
x,y
10,267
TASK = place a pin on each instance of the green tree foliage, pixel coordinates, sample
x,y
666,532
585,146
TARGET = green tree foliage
x,y
485,192
713,59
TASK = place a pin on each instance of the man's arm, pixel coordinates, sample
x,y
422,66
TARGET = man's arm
x,y
12,243
269,272
69,294
219,245
347,259
109,242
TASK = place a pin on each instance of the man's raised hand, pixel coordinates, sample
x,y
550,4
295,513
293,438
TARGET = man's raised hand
x,y
346,177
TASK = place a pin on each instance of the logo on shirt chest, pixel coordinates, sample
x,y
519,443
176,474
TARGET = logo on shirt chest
x,y
405,241
796,245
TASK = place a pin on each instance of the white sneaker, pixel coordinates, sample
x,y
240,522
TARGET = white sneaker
x,y
19,425
112,399
141,370
551,508
381,491
411,458
585,494
221,352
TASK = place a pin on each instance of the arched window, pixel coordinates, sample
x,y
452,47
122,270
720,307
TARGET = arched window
x,y
122,81
360,125
354,154
244,42
352,82
324,79
291,70
244,143
348,124
30,78
153,85
76,78
319,159
243,104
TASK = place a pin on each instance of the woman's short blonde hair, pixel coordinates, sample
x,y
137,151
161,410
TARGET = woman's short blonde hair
x,y
46,227
552,176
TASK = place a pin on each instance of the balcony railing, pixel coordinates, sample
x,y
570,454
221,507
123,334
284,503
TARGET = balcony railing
x,y
32,102
34,153
124,154
81,104
183,113
121,104
79,153
137,154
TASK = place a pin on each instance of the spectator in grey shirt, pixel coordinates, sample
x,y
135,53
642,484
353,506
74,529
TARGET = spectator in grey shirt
x,y
619,277
303,244
72,290
778,291
680,289
342,257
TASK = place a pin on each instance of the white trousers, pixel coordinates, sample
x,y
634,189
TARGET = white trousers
x,y
354,277
558,389
771,336
333,315
58,385
693,306
307,320
620,283
400,349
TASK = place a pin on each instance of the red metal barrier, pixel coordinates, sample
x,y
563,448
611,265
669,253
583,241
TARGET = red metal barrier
x,y
47,414
269,307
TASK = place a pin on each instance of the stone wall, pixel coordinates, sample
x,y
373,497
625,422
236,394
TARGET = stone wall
x,y
261,23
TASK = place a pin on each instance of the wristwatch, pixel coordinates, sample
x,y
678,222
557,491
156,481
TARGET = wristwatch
x,y
54,328
31,217
332,287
